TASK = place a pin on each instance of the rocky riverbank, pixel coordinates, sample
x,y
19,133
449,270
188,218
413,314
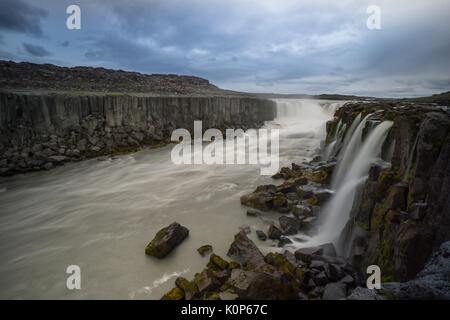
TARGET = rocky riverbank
x,y
399,219
41,130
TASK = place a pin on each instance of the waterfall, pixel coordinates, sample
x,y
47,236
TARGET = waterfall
x,y
336,211
351,145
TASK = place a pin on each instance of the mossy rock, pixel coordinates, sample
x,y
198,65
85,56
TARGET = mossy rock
x,y
219,262
166,240
203,250
174,294
188,287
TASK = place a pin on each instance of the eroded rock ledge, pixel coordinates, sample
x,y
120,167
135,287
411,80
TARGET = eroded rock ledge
x,y
39,131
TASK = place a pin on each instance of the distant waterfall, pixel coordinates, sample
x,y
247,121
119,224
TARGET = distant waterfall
x,y
336,211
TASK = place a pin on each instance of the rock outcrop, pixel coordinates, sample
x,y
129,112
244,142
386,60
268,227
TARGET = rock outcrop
x,y
40,131
402,212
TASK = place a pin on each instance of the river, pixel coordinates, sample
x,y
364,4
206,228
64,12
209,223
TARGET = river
x,y
100,215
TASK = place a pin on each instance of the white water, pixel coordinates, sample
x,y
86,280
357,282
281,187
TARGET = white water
x,y
100,215
336,212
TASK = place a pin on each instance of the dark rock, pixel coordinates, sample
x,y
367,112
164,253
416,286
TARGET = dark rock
x,y
274,233
320,279
261,235
166,240
306,254
328,249
334,291
418,210
244,250
205,281
250,285
284,241
289,225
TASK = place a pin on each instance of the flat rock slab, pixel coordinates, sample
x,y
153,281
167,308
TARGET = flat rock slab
x,y
166,240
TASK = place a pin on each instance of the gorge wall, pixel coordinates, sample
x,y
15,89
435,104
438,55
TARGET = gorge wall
x,y
401,214
39,131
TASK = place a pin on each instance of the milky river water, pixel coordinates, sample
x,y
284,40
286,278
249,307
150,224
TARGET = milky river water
x,y
100,215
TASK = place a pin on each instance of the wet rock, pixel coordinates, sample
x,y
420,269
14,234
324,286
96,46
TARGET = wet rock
x,y
174,294
334,291
166,240
289,225
218,261
189,288
335,272
274,233
250,285
301,211
328,249
244,250
308,224
261,198
306,254
320,279
203,250
284,241
261,235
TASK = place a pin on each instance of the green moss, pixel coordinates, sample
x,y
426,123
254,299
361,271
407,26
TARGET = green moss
x,y
218,261
313,201
174,294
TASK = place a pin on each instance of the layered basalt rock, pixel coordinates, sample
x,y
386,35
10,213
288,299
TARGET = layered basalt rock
x,y
39,131
402,213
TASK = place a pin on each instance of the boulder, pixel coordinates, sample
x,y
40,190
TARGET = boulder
x,y
274,233
189,288
250,285
334,291
166,240
283,241
261,235
244,250
218,261
289,225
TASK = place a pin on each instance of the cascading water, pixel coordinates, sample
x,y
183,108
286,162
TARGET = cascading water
x,y
352,144
336,212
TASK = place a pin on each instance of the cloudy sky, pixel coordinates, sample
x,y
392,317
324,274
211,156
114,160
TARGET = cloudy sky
x,y
283,46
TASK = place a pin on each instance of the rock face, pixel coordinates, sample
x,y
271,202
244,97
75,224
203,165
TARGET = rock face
x,y
166,240
39,131
402,212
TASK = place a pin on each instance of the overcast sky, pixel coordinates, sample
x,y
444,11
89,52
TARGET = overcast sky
x,y
283,46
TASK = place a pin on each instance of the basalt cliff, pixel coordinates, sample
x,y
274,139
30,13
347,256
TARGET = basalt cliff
x,y
399,218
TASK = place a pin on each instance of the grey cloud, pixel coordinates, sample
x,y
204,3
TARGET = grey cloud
x,y
35,50
19,16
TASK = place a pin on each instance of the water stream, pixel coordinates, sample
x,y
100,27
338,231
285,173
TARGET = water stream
x,y
100,215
